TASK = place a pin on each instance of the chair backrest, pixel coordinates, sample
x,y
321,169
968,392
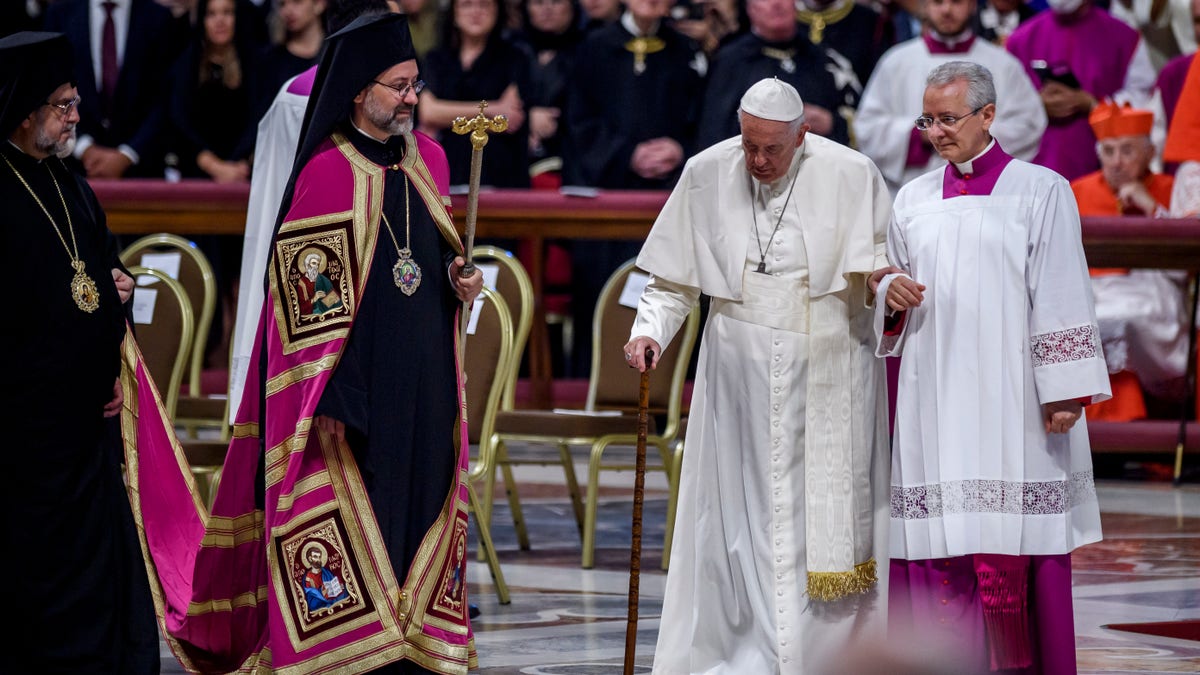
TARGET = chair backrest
x,y
166,340
613,384
514,284
197,278
488,354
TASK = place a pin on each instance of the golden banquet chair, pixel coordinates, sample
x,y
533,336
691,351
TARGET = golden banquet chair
x,y
487,354
166,341
515,286
195,410
610,413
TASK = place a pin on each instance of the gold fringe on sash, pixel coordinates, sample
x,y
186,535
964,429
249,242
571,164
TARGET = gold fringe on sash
x,y
829,586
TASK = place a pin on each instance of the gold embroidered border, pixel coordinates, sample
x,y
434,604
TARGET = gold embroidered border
x,y
238,601
245,430
300,373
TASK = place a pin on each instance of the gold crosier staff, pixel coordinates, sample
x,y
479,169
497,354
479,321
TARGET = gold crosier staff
x,y
479,127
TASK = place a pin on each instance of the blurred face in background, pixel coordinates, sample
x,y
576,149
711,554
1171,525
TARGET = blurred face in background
x,y
601,10
299,15
219,23
1124,159
553,16
649,10
772,20
475,18
949,17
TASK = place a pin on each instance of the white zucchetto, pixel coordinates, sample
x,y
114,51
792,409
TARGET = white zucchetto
x,y
773,99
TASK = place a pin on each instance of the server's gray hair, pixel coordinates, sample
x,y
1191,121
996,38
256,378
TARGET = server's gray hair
x,y
981,90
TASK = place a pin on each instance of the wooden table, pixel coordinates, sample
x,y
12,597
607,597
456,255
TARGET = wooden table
x,y
196,207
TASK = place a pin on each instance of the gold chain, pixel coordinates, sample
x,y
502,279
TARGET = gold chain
x,y
70,227
407,224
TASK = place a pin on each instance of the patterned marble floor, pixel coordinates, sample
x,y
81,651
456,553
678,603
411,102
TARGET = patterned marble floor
x,y
564,620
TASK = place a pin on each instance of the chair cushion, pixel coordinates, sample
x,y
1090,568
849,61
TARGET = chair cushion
x,y
567,424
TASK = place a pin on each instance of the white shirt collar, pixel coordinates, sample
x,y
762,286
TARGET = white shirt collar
x,y
631,26
969,165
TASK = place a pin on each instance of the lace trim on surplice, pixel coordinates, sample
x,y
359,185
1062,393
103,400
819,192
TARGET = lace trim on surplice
x,y
1062,346
992,496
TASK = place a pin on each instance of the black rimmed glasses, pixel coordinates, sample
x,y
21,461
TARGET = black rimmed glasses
x,y
925,122
414,87
65,107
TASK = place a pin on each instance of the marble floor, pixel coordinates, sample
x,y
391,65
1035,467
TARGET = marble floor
x,y
564,620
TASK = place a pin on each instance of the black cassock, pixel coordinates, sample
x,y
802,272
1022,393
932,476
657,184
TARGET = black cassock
x,y
856,41
75,566
748,59
395,384
611,107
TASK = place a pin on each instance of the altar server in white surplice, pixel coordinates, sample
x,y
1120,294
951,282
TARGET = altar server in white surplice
x,y
990,309
782,515
892,98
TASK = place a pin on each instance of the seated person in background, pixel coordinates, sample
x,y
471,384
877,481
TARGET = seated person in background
x,y
303,36
475,62
212,130
549,40
773,47
1141,313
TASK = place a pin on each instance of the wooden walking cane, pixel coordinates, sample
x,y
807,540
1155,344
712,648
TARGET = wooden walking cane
x,y
478,126
639,486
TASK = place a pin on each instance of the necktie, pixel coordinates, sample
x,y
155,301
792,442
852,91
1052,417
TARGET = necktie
x,y
108,61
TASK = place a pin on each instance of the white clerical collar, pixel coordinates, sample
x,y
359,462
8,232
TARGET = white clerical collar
x,y
630,25
952,41
969,165
368,135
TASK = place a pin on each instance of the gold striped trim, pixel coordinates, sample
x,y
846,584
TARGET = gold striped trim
x,y
300,373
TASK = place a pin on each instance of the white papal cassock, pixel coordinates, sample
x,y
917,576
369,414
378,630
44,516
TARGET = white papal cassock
x,y
892,101
1007,324
785,465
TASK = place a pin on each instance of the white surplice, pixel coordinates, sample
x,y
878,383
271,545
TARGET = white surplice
x,y
1007,324
275,152
893,98
735,599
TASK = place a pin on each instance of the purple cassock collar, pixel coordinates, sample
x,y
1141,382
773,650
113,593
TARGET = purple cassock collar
x,y
977,176
942,45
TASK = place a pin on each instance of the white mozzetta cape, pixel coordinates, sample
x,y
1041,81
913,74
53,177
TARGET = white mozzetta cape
x,y
1007,324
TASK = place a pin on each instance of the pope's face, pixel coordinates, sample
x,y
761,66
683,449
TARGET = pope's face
x,y
768,146
968,135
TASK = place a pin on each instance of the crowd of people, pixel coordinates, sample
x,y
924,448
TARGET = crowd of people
x,y
178,88
920,169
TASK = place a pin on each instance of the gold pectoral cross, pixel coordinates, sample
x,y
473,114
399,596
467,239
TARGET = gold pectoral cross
x,y
641,46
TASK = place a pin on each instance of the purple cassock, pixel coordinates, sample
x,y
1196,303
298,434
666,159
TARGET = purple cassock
x,y
1097,49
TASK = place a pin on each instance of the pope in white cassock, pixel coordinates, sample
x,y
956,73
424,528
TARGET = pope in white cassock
x,y
990,308
783,500
892,98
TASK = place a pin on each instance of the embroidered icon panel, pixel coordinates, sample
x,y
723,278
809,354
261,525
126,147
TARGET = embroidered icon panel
x,y
322,578
450,597
315,269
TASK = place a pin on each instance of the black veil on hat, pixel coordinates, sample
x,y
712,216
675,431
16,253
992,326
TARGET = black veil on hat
x,y
32,65
352,58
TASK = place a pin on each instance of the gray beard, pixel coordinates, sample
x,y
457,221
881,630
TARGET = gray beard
x,y
385,118
50,146
312,275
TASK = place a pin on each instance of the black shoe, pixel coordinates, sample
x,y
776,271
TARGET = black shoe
x,y
473,610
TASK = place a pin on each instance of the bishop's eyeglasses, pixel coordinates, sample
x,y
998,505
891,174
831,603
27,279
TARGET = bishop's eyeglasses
x,y
925,122
402,91
65,107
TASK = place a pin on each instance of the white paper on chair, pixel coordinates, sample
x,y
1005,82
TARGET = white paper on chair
x,y
491,273
635,283
587,413
167,263
143,305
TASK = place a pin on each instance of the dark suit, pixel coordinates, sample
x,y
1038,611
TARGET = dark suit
x,y
153,41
